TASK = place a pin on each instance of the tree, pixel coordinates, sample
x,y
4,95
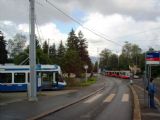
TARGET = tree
x,y
72,41
41,57
53,53
82,49
22,58
3,51
17,45
45,47
95,67
38,46
136,52
61,55
72,58
104,59
113,62
72,63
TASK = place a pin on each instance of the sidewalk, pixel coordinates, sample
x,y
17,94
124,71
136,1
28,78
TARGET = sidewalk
x,y
146,112
24,110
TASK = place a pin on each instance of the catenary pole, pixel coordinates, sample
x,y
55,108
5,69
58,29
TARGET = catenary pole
x,y
32,54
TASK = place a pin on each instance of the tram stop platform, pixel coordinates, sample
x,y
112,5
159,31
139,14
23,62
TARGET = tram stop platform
x,y
146,112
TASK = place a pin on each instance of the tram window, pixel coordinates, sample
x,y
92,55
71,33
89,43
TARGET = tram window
x,y
59,77
5,77
19,77
47,76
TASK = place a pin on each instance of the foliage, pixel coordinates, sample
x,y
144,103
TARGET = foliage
x,y
73,82
83,52
104,58
3,51
61,51
131,55
76,54
72,63
95,67
45,47
90,81
17,45
53,53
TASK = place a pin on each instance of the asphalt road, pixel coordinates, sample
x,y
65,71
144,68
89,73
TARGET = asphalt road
x,y
112,103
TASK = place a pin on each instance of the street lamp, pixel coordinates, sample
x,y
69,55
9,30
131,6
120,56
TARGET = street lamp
x,y
86,67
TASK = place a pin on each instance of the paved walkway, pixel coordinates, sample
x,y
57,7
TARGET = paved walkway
x,y
24,109
146,112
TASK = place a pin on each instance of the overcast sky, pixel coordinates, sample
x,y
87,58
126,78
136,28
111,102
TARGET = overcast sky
x,y
136,21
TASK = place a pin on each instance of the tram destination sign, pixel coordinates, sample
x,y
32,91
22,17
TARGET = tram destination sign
x,y
153,58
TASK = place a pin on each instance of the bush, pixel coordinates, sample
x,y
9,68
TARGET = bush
x,y
80,82
72,82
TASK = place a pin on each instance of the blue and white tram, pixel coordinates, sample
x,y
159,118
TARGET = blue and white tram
x,y
16,77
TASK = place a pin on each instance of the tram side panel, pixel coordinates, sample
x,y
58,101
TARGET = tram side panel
x,y
18,80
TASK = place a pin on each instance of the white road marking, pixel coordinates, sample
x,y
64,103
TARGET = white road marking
x,y
125,98
109,98
93,98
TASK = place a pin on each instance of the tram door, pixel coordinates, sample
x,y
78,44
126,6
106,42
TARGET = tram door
x,y
47,80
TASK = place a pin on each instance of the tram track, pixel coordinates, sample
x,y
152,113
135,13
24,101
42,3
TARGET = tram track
x,y
95,107
65,106
112,86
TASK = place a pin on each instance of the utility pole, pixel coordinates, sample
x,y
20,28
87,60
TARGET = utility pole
x,y
32,54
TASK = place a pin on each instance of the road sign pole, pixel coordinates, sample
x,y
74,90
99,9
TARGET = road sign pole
x,y
32,54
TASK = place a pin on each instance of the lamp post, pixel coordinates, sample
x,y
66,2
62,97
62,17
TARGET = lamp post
x,y
86,67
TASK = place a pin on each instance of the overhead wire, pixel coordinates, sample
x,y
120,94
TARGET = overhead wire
x,y
89,29
93,31
39,36
76,21
140,32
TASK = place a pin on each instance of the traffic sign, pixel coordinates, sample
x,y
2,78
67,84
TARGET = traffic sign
x,y
153,58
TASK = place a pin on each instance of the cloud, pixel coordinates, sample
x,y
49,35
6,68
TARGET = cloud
x,y
18,10
45,31
119,28
138,9
50,31
116,19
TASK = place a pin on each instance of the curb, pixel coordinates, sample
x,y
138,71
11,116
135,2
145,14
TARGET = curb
x,y
64,106
136,110
155,98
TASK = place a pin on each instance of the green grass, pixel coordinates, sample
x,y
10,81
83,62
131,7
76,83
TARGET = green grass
x,y
90,81
73,82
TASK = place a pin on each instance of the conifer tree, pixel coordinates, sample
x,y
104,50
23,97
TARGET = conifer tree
x,y
83,52
53,53
45,47
61,55
3,51
72,60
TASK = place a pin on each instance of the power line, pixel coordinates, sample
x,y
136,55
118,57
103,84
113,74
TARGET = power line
x,y
76,21
137,33
24,61
93,31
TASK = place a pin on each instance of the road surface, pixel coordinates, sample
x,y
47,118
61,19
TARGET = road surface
x,y
112,103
